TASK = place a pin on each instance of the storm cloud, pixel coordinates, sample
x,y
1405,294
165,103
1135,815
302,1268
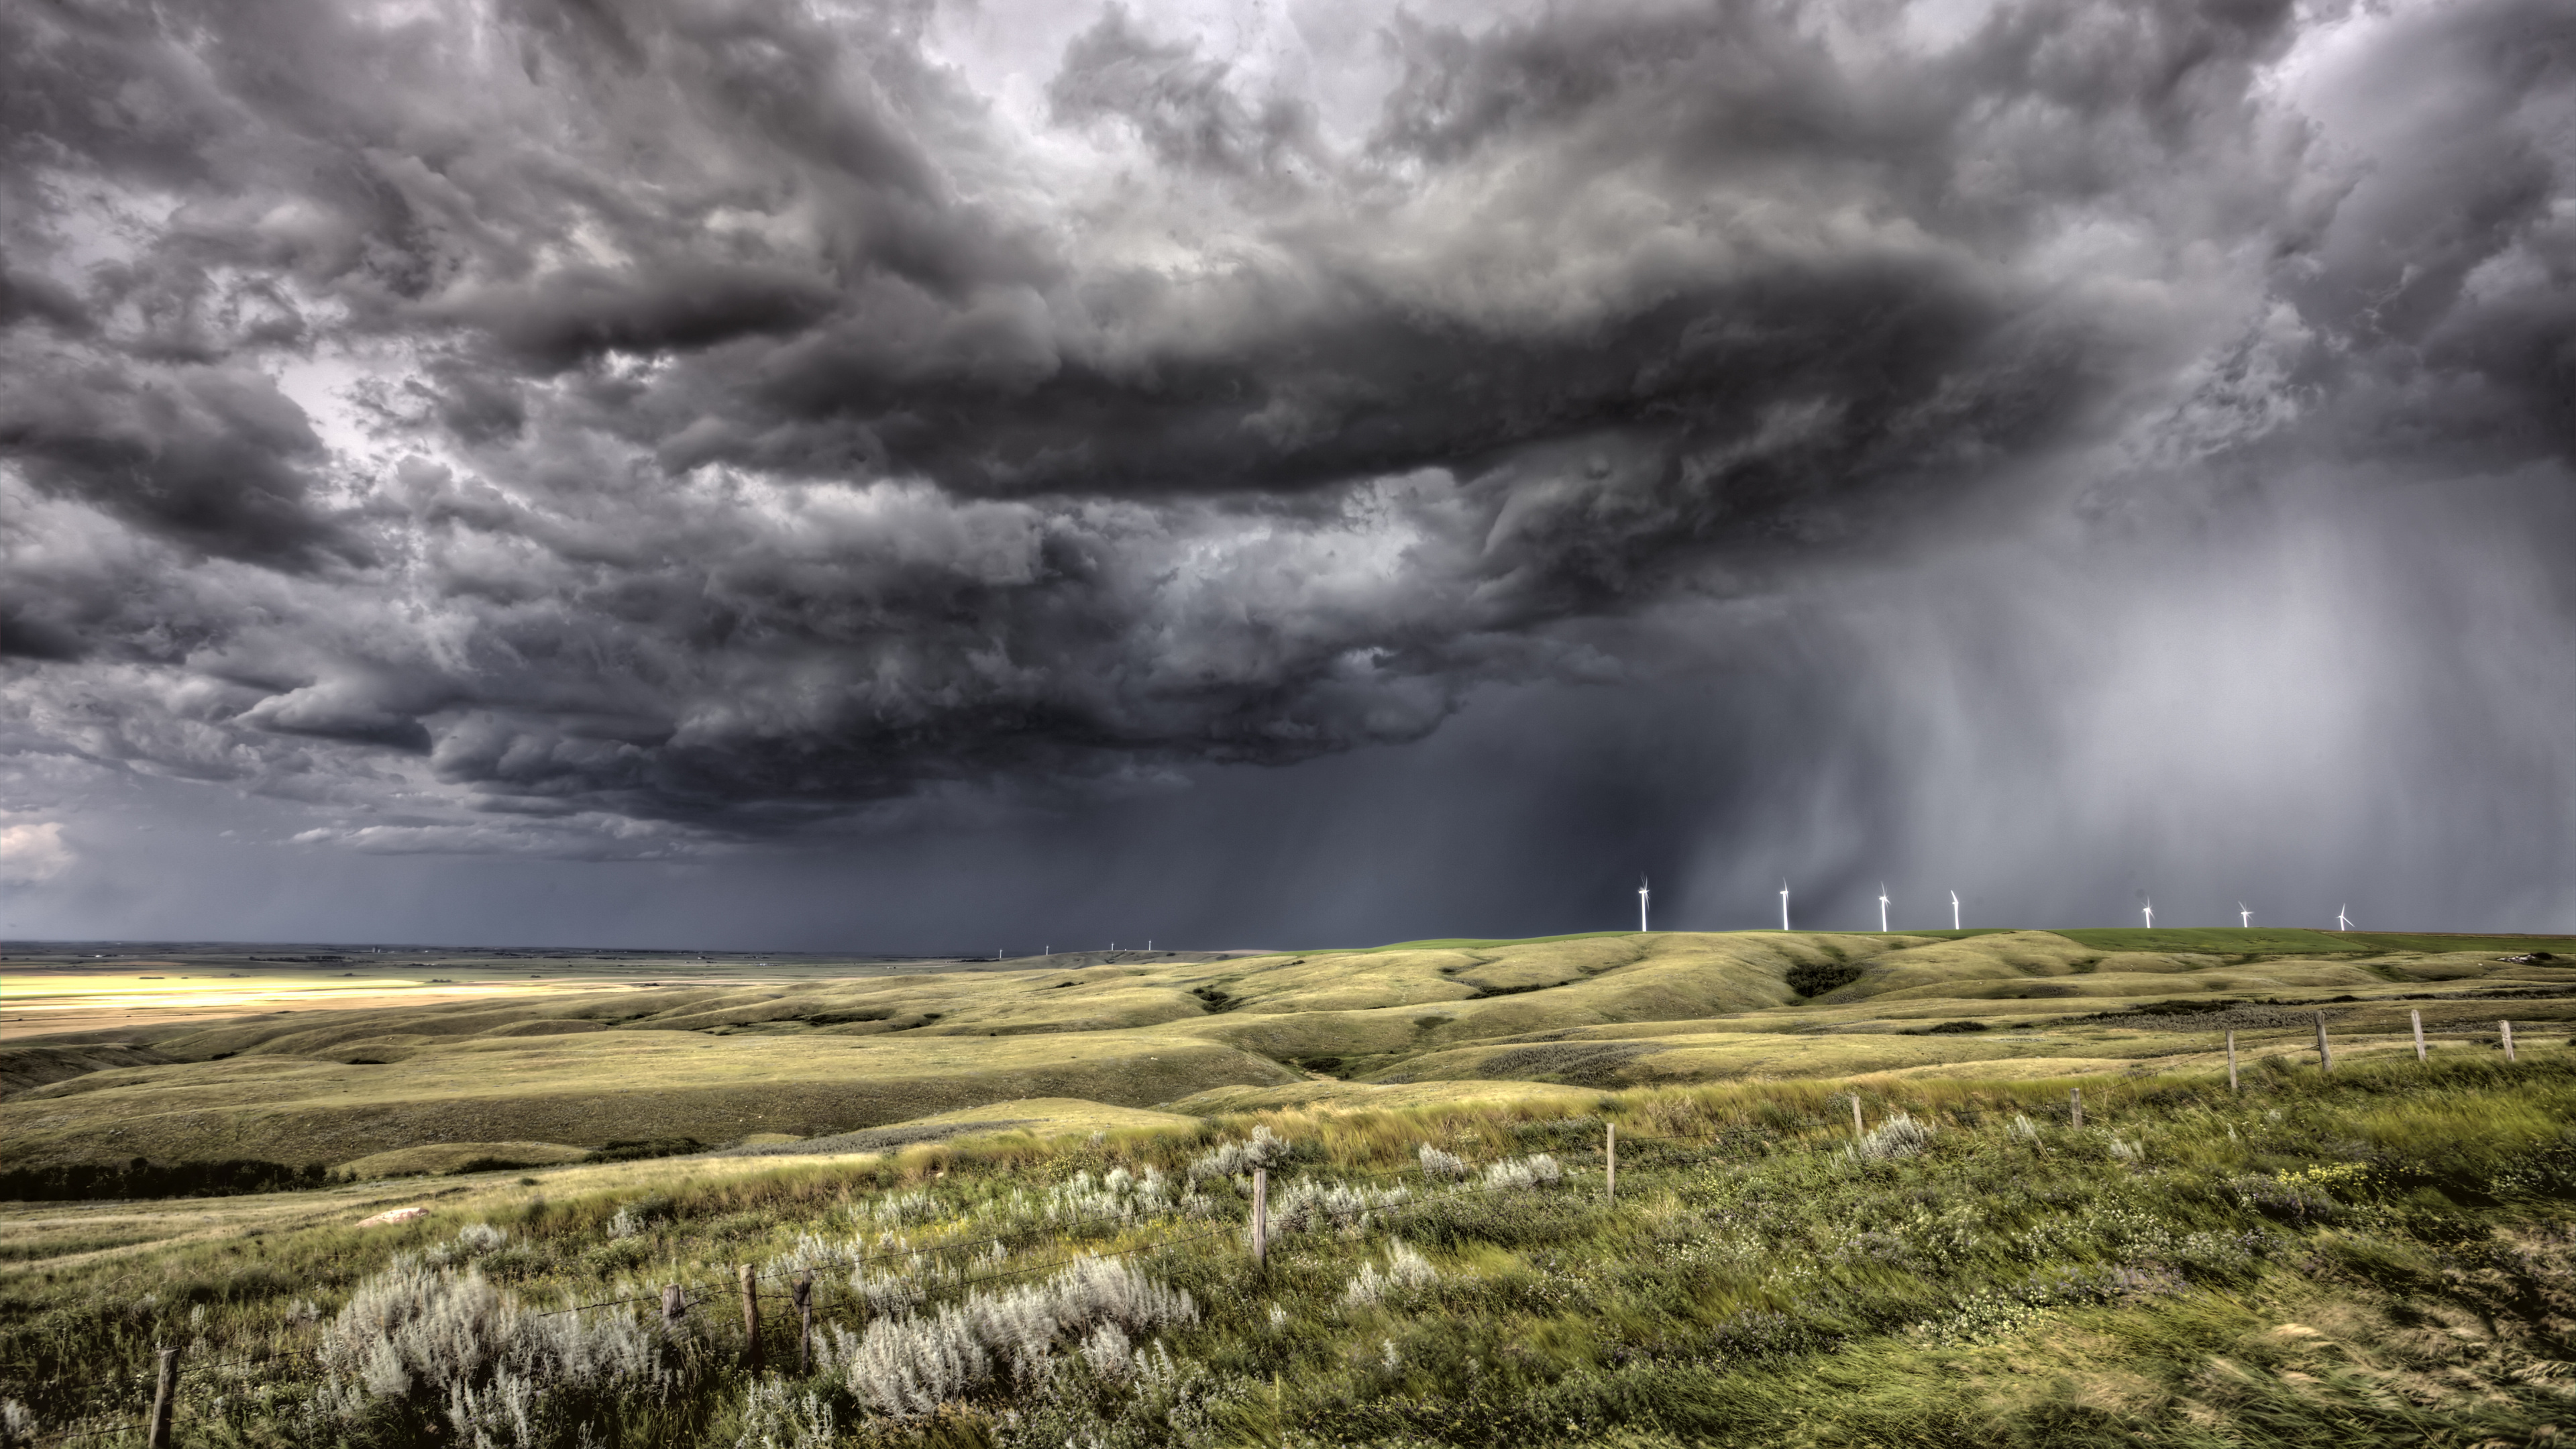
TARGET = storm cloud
x,y
691,425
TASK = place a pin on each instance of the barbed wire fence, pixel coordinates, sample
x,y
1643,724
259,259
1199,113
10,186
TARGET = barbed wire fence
x,y
702,1294
101,1394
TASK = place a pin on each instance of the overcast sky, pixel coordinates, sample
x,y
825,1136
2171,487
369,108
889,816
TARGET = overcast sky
x,y
980,474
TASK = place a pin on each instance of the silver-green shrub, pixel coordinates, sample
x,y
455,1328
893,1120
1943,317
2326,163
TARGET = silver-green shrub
x,y
450,1338
1898,1136
1120,1194
1309,1205
1436,1163
1539,1170
911,1364
775,1416
1264,1149
1405,1268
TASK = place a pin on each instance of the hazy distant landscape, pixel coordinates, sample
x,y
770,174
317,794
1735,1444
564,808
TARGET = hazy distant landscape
x,y
1023,1191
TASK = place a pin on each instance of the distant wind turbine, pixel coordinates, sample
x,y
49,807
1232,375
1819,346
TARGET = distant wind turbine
x,y
1784,905
1641,905
2342,921
1882,908
1954,912
2149,907
2244,917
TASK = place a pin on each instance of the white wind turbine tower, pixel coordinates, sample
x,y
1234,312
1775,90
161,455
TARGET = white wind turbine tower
x,y
1784,905
2342,921
2244,917
1954,912
1641,905
2149,907
1882,908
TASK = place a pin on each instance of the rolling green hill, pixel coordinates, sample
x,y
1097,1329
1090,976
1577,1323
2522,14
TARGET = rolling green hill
x,y
713,1063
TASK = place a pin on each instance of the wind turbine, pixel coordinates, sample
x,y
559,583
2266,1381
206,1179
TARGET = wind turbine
x,y
1954,912
2342,921
2149,907
1882,908
1641,905
2244,917
1784,905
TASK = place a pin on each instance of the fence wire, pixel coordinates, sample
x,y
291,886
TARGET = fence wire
x,y
699,1295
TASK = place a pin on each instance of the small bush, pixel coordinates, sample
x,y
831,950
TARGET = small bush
x,y
775,1416
1436,1163
913,1364
1815,978
143,1178
1539,1170
1265,1149
1898,1136
638,1151
439,1339
1405,1268
1309,1205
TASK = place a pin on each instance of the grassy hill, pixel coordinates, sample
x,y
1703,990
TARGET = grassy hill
x,y
2377,1256
1023,1192
711,1063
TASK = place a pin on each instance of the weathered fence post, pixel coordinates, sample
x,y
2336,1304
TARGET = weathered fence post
x,y
804,1292
673,1307
2325,1053
1856,1127
2416,1015
1260,1219
165,1400
2231,1060
2507,1028
2075,1105
1610,1174
750,1319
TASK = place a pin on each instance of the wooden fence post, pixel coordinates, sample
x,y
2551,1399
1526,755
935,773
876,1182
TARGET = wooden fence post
x,y
2075,1105
2416,1014
2231,1060
673,1308
2507,1028
750,1319
165,1400
1856,1127
1610,1175
804,1291
1260,1219
2325,1053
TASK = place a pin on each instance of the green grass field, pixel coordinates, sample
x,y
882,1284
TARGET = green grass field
x,y
715,1062
2382,1254
2379,1256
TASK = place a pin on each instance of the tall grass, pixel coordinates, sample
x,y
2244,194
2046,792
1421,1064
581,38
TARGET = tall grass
x,y
2387,1254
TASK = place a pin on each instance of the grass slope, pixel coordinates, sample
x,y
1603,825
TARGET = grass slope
x,y
2385,1255
817,1056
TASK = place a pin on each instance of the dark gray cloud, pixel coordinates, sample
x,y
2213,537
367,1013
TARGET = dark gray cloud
x,y
647,429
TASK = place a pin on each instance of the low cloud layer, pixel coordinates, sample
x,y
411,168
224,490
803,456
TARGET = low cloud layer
x,y
657,429
32,851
